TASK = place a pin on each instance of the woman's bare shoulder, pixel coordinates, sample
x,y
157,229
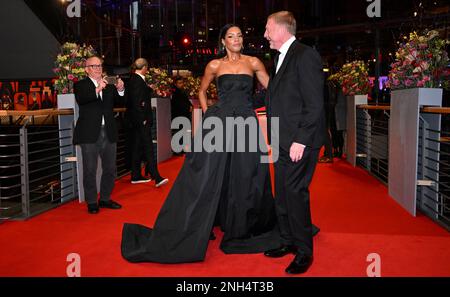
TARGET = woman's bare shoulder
x,y
214,64
253,59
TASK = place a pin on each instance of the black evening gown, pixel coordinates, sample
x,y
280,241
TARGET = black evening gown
x,y
229,189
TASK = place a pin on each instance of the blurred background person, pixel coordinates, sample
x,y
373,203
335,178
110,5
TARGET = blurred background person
x,y
181,106
140,112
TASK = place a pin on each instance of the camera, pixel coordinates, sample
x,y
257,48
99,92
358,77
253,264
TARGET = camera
x,y
111,80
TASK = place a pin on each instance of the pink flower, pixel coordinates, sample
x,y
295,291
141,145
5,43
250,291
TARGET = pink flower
x,y
70,76
409,82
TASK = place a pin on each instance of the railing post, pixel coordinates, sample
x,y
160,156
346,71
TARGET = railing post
x,y
74,168
352,102
365,137
420,169
25,185
428,172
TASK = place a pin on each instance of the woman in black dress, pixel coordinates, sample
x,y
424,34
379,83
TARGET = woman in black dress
x,y
229,188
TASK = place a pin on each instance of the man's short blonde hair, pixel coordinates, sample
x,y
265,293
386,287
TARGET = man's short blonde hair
x,y
140,63
285,18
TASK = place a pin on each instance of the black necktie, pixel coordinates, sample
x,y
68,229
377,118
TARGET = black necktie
x,y
275,63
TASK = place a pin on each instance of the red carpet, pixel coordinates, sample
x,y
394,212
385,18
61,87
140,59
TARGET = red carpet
x,y
353,210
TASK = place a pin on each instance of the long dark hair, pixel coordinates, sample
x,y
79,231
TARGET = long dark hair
x,y
222,52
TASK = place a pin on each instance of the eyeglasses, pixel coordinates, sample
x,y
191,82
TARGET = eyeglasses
x,y
95,66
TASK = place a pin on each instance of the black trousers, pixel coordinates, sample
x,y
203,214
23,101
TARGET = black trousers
x,y
107,152
143,148
292,205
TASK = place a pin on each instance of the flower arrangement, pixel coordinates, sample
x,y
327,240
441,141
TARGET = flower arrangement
x,y
421,62
160,81
353,78
192,87
335,78
69,66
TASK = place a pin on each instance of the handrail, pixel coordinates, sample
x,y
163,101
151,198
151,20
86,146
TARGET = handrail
x,y
442,110
373,107
40,112
427,109
45,112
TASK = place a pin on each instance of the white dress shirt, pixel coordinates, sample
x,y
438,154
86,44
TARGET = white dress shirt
x,y
283,50
142,76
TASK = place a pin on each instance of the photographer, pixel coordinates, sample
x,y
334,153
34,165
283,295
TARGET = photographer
x,y
96,133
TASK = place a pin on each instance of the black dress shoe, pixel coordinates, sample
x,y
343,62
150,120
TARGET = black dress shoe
x,y
109,204
300,264
281,251
93,208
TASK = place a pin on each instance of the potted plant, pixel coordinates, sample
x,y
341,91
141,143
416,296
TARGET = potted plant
x,y
419,72
420,63
417,78
353,78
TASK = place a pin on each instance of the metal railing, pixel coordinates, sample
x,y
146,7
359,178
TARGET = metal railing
x,y
35,175
433,166
30,174
123,144
372,130
433,190
10,172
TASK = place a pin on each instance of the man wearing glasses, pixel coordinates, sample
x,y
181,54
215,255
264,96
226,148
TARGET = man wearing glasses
x,y
96,133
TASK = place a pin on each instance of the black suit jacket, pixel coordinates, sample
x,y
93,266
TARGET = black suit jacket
x,y
295,96
139,104
91,111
